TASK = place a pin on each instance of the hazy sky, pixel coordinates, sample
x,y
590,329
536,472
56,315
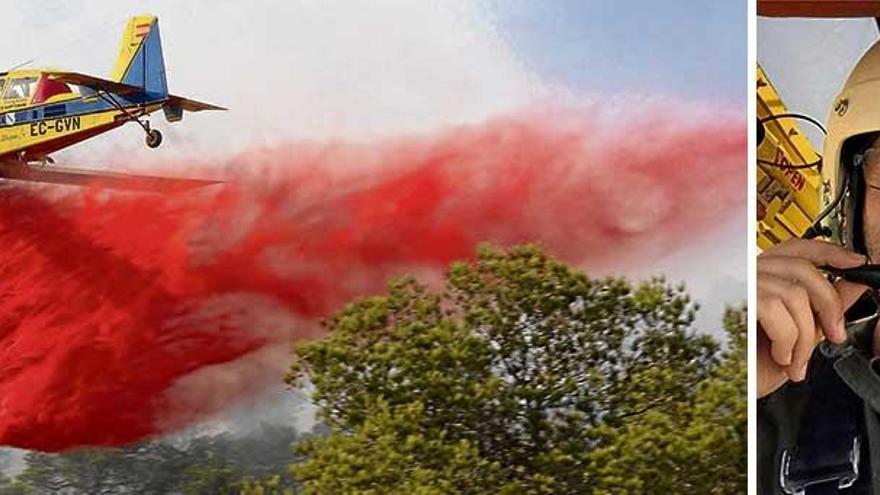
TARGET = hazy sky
x,y
808,60
634,46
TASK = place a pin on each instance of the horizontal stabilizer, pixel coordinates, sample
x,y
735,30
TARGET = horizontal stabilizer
x,y
97,178
191,105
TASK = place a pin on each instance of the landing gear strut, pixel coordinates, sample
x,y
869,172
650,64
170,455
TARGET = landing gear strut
x,y
153,139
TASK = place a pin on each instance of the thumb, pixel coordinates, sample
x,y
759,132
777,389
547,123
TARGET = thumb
x,y
849,293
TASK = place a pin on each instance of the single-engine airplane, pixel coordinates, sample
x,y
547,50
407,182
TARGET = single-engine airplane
x,y
43,111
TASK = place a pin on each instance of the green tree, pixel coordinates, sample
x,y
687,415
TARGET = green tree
x,y
521,368
271,486
151,468
390,453
88,471
247,464
695,446
9,486
206,464
212,476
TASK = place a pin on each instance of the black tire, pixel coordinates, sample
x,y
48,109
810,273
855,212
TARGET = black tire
x,y
154,138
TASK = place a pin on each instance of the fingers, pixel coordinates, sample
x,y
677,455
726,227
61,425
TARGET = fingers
x,y
823,299
785,315
796,301
780,329
818,252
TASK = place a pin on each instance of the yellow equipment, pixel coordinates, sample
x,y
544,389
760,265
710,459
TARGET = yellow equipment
x,y
789,189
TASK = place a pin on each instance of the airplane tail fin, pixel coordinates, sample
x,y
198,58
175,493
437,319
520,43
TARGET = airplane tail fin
x,y
140,62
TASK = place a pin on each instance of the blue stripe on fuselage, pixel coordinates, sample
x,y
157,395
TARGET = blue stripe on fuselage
x,y
80,106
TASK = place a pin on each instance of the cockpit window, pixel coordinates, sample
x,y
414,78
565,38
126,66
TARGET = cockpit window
x,y
21,87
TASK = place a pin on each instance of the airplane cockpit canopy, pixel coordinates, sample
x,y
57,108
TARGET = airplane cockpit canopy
x,y
20,87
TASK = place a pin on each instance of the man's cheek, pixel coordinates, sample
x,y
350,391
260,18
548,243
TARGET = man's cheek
x,y
871,225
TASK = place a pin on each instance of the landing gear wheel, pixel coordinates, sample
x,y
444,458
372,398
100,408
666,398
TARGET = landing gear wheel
x,y
154,138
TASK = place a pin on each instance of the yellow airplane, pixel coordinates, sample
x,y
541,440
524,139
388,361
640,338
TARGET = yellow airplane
x,y
43,111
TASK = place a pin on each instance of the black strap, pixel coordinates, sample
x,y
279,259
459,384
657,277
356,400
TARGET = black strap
x,y
872,428
777,425
815,422
831,421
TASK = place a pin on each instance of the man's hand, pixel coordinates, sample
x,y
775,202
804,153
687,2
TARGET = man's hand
x,y
797,306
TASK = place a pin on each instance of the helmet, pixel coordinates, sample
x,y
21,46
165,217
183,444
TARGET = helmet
x,y
853,124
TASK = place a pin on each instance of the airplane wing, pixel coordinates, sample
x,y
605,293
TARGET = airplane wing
x,y
95,83
191,105
86,177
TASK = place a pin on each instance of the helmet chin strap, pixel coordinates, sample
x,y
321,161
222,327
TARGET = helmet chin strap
x,y
819,230
855,205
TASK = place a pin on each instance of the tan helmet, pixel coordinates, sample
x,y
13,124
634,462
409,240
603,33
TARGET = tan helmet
x,y
853,119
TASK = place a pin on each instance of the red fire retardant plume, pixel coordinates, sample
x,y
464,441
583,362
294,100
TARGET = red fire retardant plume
x,y
108,300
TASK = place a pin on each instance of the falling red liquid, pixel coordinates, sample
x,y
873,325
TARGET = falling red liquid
x,y
109,299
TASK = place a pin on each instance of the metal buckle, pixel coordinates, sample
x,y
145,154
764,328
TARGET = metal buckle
x,y
844,474
859,335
